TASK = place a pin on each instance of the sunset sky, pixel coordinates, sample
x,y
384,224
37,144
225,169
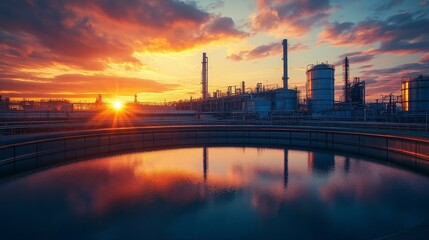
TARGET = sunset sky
x,y
152,48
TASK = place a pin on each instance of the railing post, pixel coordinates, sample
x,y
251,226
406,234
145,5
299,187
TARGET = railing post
x,y
14,158
37,154
415,154
387,148
64,150
359,143
426,120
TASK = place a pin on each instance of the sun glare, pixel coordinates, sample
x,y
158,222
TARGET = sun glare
x,y
117,105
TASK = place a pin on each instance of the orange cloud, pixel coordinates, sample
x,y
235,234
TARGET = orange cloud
x,y
80,86
291,18
97,31
88,35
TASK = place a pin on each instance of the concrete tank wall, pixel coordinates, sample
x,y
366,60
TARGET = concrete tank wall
x,y
19,157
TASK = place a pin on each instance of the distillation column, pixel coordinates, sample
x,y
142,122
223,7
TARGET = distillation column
x,y
346,72
285,73
204,77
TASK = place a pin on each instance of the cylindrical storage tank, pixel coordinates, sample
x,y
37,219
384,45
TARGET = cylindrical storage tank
x,y
415,94
286,99
260,105
320,87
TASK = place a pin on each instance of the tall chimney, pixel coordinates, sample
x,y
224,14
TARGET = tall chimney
x,y
346,72
285,73
205,77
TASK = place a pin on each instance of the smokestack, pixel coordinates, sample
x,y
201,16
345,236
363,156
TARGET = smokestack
x,y
346,72
285,73
205,77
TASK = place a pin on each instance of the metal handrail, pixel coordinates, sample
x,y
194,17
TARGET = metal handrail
x,y
254,134
205,128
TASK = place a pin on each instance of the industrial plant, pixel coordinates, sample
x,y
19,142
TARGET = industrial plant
x,y
271,101
261,100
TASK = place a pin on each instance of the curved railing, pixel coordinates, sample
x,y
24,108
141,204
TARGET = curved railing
x,y
38,152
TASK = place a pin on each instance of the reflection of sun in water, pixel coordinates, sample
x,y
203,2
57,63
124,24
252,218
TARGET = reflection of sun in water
x,y
117,105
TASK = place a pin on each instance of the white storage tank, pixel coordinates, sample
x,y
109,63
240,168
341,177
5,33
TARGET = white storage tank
x,y
415,94
320,87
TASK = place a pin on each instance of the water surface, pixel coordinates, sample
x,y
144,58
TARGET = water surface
x,y
212,193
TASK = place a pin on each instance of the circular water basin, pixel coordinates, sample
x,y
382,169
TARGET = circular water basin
x,y
213,193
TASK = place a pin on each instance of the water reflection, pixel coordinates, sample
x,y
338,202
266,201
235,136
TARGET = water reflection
x,y
285,168
250,193
321,162
205,163
347,166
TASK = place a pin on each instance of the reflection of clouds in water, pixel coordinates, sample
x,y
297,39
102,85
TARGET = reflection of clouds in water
x,y
135,184
273,185
355,184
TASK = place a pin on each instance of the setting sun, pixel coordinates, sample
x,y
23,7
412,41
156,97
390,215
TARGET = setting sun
x,y
117,105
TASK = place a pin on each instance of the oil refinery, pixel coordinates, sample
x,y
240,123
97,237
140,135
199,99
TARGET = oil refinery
x,y
260,101
270,101
40,135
